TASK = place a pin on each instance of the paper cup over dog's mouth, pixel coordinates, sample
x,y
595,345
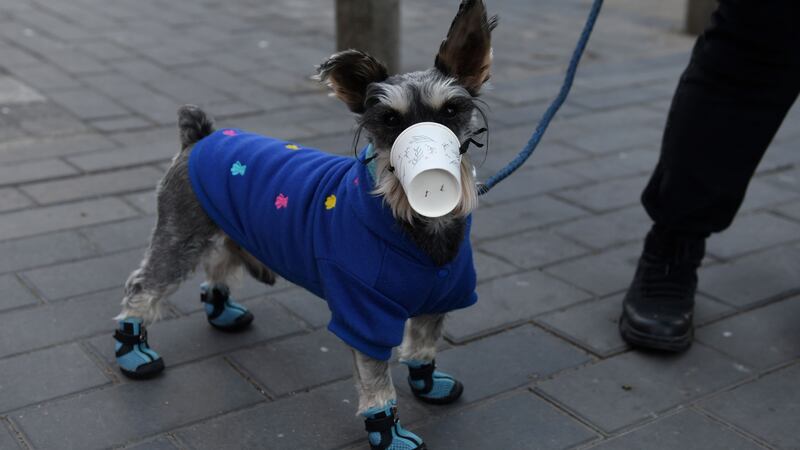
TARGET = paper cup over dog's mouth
x,y
427,161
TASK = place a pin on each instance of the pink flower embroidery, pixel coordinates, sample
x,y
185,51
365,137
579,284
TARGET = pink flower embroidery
x,y
355,181
229,133
281,201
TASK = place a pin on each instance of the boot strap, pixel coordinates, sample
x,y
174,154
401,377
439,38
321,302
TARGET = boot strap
x,y
215,297
129,340
424,373
381,424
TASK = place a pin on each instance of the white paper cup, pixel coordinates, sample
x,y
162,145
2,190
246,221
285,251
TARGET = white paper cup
x,y
427,162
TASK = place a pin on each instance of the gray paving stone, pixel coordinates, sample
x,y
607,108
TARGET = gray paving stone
x,y
29,329
286,423
608,230
55,125
160,443
615,98
86,276
508,301
33,378
528,353
43,250
603,273
621,164
312,309
31,222
120,124
297,363
33,171
753,278
30,149
490,267
761,338
190,338
637,386
533,249
533,181
172,398
520,215
94,185
125,235
43,76
768,407
144,201
518,421
87,104
593,325
687,430
503,149
608,195
15,294
762,194
613,139
123,157
11,199
750,233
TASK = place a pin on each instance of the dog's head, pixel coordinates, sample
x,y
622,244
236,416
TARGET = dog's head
x,y
446,94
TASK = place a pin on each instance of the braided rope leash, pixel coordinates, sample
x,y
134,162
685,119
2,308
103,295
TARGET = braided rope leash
x,y
551,111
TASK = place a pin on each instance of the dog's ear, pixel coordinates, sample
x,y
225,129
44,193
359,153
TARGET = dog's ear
x,y
348,74
466,52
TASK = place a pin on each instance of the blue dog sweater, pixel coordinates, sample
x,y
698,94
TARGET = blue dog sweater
x,y
310,217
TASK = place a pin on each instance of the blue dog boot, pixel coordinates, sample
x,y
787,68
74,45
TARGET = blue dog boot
x,y
432,386
386,433
135,358
222,312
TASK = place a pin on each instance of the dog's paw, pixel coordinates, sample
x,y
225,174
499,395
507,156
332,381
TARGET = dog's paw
x,y
134,356
431,385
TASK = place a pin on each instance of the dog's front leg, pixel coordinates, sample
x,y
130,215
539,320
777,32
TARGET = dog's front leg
x,y
418,352
377,402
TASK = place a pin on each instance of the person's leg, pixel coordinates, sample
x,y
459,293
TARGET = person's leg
x,y
743,77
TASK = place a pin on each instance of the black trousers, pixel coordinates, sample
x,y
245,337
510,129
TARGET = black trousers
x,y
743,77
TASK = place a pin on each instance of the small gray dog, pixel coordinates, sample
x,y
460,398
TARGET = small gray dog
x,y
340,227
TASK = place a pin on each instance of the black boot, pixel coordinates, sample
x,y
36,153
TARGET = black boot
x,y
658,309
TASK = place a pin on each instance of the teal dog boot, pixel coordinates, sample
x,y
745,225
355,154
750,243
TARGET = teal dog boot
x,y
135,358
386,433
432,386
222,312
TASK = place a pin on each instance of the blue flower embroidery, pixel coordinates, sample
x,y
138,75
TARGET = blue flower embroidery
x,y
238,168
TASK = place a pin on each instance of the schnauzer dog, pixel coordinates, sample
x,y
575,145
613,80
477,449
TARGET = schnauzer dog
x,y
340,227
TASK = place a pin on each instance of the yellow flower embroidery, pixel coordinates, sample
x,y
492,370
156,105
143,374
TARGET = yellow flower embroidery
x,y
330,202
292,147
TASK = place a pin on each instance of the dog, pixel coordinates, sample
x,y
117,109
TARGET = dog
x,y
341,227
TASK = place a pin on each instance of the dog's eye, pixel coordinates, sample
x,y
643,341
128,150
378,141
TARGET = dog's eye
x,y
449,111
391,118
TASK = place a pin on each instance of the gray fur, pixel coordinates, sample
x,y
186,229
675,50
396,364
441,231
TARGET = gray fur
x,y
420,337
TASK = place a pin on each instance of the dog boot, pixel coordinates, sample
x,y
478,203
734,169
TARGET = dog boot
x,y
430,385
134,356
386,433
222,312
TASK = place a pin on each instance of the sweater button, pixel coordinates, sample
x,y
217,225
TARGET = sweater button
x,y
443,273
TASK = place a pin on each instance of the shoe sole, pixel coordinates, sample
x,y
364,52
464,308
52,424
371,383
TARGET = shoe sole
x,y
240,324
455,394
145,371
636,338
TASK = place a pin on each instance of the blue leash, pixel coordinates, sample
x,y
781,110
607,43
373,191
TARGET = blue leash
x,y
526,152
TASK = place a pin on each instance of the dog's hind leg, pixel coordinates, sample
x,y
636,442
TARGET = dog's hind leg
x,y
225,260
418,352
377,402
182,235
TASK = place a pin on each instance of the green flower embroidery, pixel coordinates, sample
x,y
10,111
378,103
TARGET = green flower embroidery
x,y
238,168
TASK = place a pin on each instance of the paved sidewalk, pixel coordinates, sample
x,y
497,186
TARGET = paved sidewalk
x,y
88,93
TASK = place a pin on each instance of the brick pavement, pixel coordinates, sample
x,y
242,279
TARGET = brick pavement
x,y
88,92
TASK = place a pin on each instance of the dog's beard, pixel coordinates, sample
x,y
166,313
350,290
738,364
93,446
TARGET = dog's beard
x,y
388,186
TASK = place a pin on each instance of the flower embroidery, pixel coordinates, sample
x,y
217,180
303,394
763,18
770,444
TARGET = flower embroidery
x,y
238,168
281,201
355,181
292,147
229,133
330,202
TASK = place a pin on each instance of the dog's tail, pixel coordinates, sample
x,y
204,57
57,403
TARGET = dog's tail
x,y
193,125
